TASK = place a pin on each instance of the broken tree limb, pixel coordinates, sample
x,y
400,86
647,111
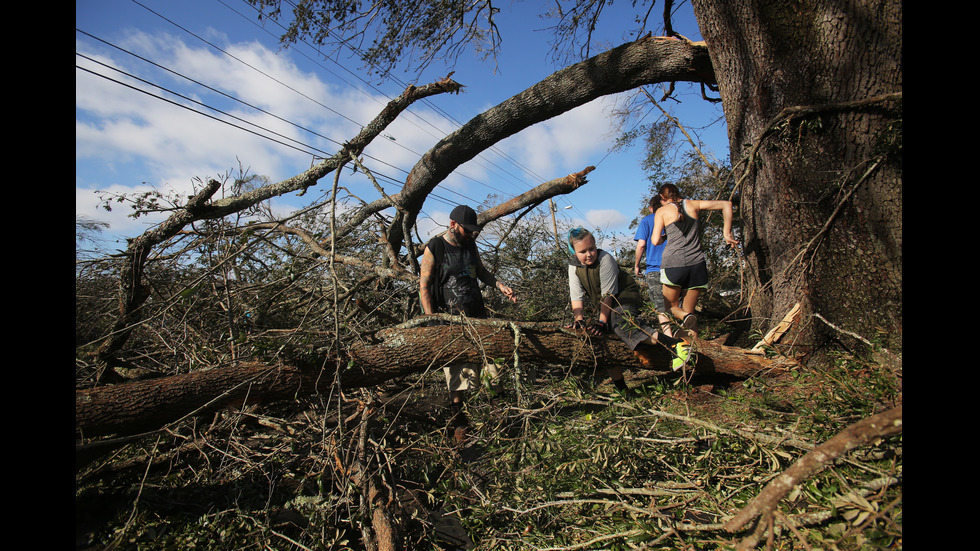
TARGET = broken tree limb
x,y
859,434
536,196
562,185
140,406
559,186
644,61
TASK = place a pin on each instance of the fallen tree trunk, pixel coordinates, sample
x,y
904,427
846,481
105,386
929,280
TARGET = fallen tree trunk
x,y
135,407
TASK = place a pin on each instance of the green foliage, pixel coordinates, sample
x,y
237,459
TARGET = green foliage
x,y
231,290
570,463
393,31
533,263
628,472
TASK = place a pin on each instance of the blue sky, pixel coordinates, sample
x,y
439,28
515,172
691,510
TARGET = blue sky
x,y
127,141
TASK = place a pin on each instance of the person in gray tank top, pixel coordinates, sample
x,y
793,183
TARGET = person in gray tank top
x,y
683,270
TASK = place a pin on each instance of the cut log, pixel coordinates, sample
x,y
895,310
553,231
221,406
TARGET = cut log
x,y
135,407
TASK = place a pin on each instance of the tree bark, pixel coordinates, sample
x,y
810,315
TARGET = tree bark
x,y
812,90
135,407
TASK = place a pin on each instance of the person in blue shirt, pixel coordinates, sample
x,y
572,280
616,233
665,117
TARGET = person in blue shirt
x,y
645,249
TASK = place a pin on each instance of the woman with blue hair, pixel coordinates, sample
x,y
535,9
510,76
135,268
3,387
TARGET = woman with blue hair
x,y
594,275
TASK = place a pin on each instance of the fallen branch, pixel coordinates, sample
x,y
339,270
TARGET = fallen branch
x,y
859,434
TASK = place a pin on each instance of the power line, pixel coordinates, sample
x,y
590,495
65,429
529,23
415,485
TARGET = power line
x,y
203,85
427,101
177,104
315,150
223,51
313,153
130,75
186,107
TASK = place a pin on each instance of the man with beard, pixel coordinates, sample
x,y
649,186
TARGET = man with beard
x,y
449,281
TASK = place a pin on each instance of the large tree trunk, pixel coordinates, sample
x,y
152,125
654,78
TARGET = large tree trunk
x,y
130,408
822,203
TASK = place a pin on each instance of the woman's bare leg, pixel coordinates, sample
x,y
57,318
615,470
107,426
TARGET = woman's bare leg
x,y
691,300
672,298
665,325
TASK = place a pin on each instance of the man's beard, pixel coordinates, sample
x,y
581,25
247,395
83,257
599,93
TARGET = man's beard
x,y
460,236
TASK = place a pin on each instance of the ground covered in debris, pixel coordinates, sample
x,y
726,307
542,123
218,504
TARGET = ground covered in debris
x,y
558,460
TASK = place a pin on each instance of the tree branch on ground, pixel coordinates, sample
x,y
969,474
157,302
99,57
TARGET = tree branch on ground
x,y
148,405
862,433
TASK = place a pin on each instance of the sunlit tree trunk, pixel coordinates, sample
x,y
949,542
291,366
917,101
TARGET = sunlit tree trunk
x,y
817,86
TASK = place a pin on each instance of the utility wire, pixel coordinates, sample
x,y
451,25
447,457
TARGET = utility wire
x,y
203,85
194,101
223,51
311,150
437,109
524,186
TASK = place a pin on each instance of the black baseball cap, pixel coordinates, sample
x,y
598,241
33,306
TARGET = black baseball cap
x,y
466,217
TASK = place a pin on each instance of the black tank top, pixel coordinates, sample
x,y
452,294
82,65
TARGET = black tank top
x,y
456,288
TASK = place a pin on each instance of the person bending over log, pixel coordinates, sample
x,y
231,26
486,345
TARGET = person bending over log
x,y
593,274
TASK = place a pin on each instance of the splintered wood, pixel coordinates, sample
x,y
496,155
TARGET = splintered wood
x,y
776,332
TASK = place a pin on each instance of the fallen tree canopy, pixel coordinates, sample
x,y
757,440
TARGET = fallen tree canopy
x,y
140,406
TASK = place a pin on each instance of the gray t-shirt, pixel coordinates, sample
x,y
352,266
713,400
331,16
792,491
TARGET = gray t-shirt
x,y
608,274
683,241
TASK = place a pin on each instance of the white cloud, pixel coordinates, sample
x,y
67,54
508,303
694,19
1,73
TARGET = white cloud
x,y
433,224
605,218
566,143
116,123
129,141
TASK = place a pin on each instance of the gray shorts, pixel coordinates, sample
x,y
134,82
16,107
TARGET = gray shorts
x,y
655,288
